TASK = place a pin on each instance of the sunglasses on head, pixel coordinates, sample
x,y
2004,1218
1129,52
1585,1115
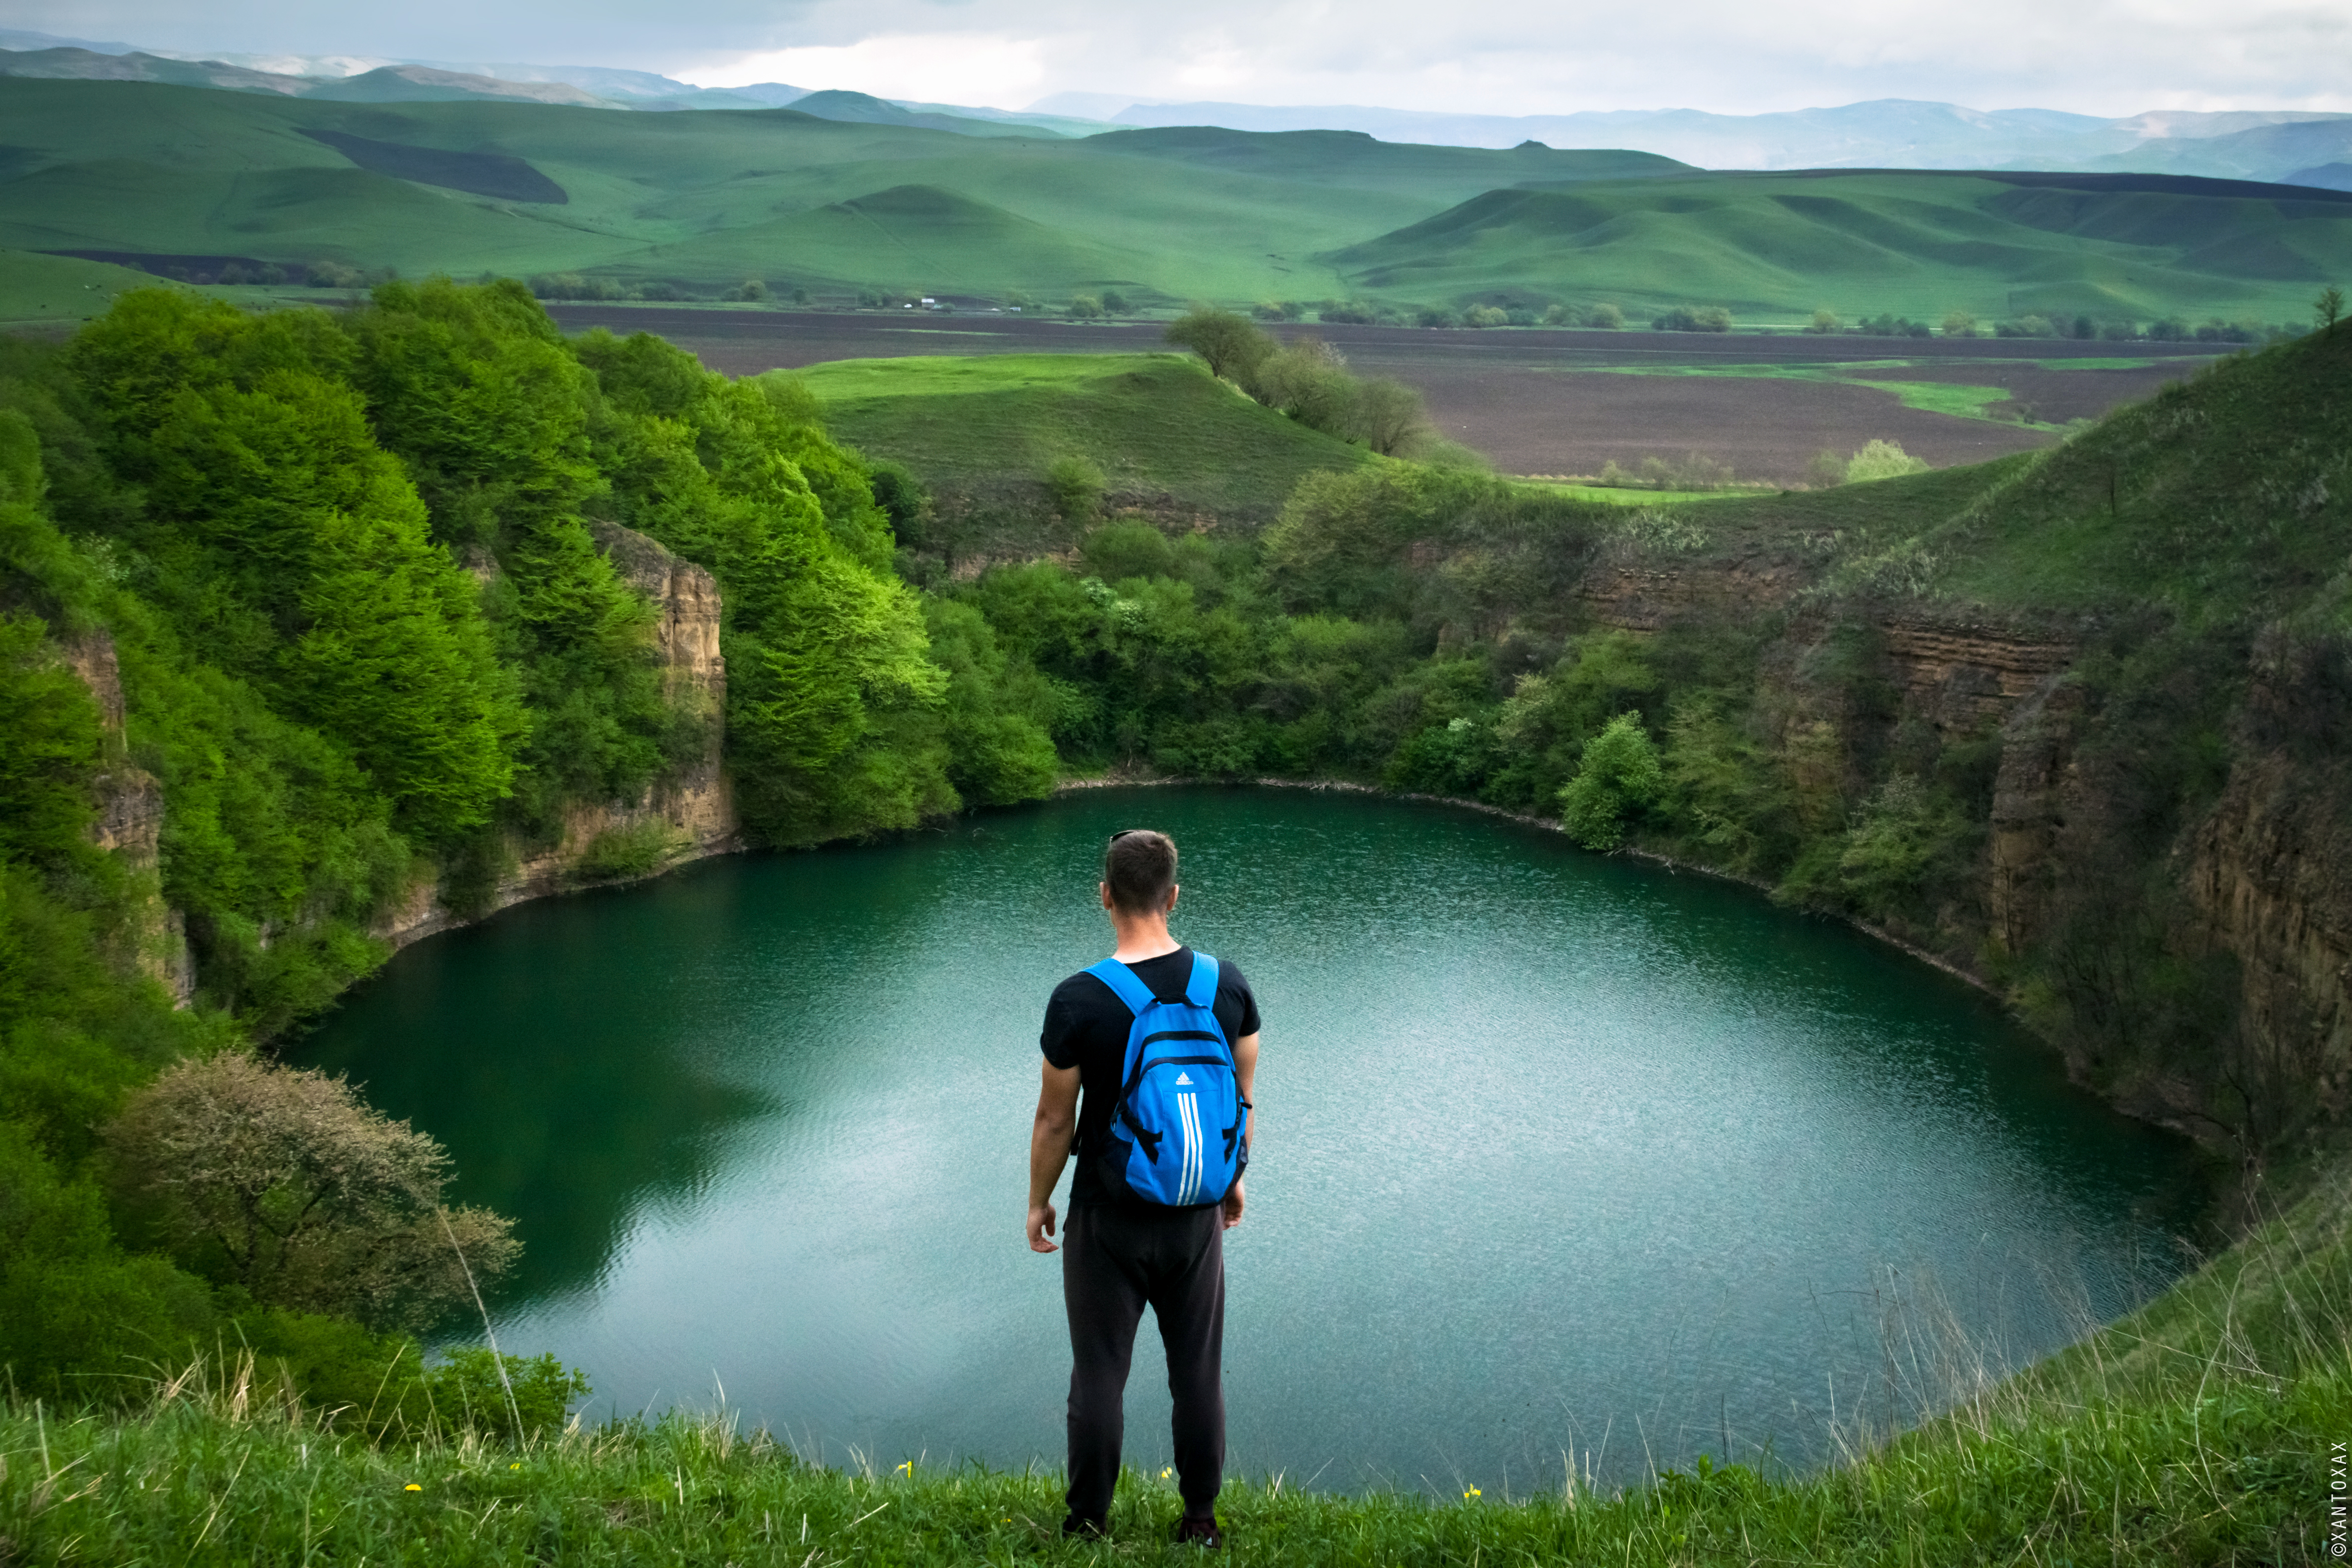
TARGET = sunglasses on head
x,y
1125,832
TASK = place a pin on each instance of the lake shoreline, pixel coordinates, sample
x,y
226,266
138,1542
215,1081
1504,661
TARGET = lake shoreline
x,y
1552,824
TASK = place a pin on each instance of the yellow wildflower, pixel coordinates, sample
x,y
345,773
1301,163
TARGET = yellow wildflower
x,y
412,1486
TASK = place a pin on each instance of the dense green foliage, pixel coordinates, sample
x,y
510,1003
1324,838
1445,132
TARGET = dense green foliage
x,y
347,584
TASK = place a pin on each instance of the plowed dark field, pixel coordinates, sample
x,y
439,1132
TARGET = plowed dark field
x,y
1544,402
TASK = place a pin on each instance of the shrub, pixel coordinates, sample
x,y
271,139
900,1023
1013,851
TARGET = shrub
x,y
1959,324
620,853
1485,316
1608,317
1825,471
1882,460
2026,327
282,1182
1888,325
1388,417
1085,307
1075,486
752,288
1115,303
1691,472
1432,316
1351,312
1617,776
1307,379
1825,321
1706,319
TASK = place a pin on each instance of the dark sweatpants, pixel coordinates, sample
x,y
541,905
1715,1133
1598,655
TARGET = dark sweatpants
x,y
1115,1259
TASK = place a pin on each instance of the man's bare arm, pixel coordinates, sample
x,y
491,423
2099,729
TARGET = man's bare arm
x,y
1049,1148
1246,1075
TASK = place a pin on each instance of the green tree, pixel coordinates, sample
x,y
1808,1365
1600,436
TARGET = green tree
x,y
1231,343
51,750
2329,309
1388,417
282,1182
1959,324
1619,775
1307,379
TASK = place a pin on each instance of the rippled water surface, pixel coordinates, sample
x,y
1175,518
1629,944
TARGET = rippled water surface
x,y
1557,1152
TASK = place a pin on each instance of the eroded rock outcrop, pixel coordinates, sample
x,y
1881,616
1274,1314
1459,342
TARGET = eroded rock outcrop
x,y
130,824
2271,874
686,815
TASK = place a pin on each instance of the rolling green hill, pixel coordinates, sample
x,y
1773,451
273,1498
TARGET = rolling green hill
x,y
1169,439
1879,240
700,201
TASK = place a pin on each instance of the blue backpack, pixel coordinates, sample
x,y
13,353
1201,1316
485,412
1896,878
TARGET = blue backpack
x,y
1177,1136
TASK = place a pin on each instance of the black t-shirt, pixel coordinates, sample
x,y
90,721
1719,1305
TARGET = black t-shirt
x,y
1087,1027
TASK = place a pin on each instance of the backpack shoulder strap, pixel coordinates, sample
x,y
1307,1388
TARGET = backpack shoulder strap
x,y
1123,984
1202,989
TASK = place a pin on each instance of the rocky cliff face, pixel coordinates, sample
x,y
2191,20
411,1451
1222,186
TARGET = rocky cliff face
x,y
130,824
2265,873
693,809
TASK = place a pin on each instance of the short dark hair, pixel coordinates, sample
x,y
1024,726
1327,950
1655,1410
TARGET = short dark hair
x,y
1139,868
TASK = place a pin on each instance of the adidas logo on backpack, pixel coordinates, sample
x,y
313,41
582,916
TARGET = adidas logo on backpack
x,y
1177,1136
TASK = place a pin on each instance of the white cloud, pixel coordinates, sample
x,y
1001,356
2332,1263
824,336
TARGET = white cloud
x,y
940,68
1498,57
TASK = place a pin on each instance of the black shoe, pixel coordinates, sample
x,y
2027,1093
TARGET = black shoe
x,y
1084,1529
1202,1532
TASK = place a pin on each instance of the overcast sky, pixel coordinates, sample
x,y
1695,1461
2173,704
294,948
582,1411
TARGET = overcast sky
x,y
1502,56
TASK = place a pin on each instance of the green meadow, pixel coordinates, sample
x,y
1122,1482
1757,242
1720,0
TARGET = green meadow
x,y
697,202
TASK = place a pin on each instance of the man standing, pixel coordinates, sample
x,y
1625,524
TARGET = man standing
x,y
1134,1236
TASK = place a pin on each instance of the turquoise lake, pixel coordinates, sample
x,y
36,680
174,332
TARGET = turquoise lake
x,y
1558,1154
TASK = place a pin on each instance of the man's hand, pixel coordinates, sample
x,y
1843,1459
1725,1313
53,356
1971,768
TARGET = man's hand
x,y
1049,1148
1233,1203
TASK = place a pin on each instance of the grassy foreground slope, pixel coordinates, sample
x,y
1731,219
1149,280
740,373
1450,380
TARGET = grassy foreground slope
x,y
2196,1431
701,200
1883,240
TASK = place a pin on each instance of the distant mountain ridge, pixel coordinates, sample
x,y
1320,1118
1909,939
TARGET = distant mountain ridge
x,y
2289,146
2261,144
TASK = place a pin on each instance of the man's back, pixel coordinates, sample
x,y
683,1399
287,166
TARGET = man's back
x,y
1086,1027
